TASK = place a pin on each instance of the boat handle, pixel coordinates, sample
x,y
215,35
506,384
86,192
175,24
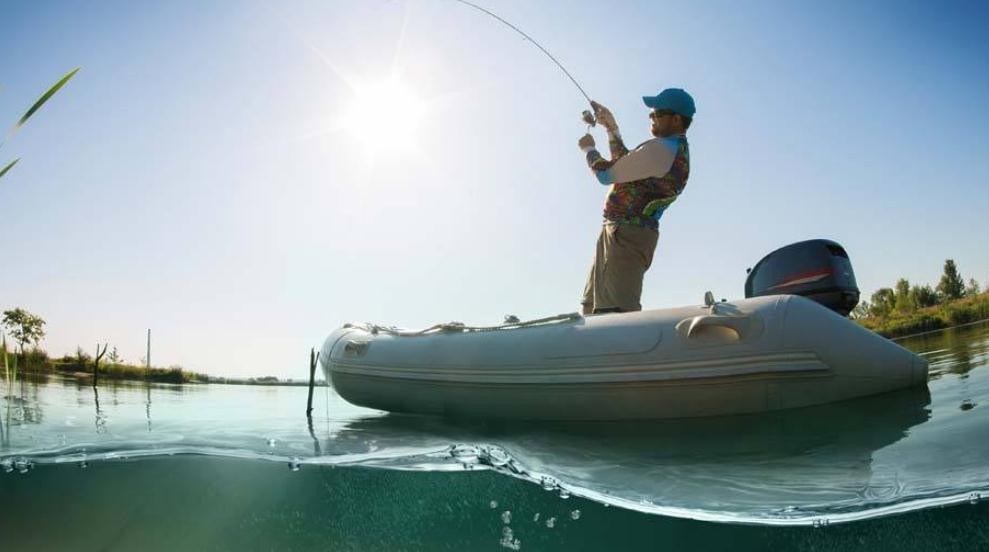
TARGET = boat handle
x,y
738,324
355,348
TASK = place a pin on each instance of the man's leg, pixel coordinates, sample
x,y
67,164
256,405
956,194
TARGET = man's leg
x,y
587,302
628,253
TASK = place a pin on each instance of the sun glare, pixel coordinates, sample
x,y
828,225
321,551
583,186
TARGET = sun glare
x,y
384,115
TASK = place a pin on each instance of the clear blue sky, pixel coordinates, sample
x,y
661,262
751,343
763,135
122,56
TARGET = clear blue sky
x,y
197,177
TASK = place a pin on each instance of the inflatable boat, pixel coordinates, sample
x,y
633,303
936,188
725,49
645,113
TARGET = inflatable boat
x,y
786,345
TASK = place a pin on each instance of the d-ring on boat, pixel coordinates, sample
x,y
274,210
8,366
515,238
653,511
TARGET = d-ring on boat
x,y
788,344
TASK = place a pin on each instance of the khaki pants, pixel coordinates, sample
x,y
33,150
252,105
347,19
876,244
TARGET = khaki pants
x,y
624,253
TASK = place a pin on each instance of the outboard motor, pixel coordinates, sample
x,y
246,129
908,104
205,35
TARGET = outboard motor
x,y
816,269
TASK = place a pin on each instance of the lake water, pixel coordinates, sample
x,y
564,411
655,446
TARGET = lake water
x,y
222,467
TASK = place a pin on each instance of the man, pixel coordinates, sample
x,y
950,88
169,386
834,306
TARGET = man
x,y
644,182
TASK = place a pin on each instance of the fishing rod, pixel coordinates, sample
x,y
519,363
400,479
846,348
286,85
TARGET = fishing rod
x,y
586,116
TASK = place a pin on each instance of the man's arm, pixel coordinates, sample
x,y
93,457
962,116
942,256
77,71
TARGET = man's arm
x,y
652,159
596,161
618,150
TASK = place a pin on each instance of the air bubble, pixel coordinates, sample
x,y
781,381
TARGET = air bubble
x,y
974,498
967,404
22,465
466,454
508,539
551,522
494,456
823,522
549,483
295,464
506,517
575,515
84,464
7,464
564,494
493,504
535,517
271,442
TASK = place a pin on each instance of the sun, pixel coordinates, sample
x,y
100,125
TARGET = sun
x,y
384,115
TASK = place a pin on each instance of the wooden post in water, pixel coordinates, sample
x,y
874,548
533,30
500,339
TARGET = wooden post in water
x,y
96,363
147,359
313,357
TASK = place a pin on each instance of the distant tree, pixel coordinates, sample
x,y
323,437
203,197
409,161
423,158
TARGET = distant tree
x,y
883,302
972,288
861,310
903,301
951,285
82,357
114,357
923,296
24,327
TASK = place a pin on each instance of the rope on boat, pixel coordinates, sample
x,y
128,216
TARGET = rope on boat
x,y
511,323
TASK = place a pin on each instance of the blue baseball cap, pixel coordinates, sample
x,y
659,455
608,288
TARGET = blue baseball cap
x,y
674,99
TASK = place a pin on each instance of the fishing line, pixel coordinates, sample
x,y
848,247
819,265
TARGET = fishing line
x,y
587,116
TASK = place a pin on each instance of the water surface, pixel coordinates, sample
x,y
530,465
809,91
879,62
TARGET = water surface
x,y
246,458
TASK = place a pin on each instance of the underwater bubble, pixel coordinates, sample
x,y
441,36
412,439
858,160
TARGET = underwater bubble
x,y
564,494
295,464
535,517
506,516
508,539
549,483
464,453
551,522
271,442
493,504
7,464
974,498
967,404
822,522
575,514
22,465
83,464
495,456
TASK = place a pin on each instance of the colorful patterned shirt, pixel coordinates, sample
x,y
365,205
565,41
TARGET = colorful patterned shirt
x,y
634,198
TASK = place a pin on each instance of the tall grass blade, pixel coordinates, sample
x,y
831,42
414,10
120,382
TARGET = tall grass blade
x,y
44,97
41,101
9,166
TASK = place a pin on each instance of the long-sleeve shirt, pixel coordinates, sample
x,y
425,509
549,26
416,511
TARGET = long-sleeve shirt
x,y
644,181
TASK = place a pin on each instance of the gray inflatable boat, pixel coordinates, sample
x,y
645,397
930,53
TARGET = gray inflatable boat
x,y
765,352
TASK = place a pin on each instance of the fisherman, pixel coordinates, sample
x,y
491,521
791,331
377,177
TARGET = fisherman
x,y
644,182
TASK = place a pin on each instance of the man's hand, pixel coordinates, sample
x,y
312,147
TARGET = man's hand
x,y
586,141
604,117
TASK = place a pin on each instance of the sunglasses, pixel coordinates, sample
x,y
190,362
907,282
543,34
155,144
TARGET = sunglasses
x,y
660,113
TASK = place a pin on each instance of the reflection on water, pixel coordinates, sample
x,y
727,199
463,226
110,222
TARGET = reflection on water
x,y
955,350
783,463
833,462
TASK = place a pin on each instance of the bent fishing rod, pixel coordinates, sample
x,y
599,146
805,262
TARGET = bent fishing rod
x,y
586,116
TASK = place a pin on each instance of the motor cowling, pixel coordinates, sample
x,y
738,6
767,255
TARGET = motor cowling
x,y
816,269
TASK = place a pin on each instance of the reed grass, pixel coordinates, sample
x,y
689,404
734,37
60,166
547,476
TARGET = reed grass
x,y
31,111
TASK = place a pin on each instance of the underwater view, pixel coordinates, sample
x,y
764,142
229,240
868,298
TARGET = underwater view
x,y
237,467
